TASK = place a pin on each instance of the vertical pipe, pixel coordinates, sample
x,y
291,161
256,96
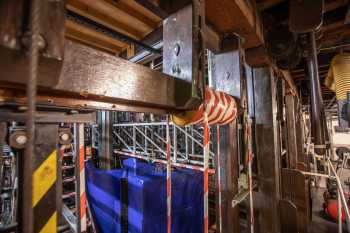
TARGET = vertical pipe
x,y
218,180
206,174
134,138
77,175
192,141
342,196
316,99
340,223
186,143
146,143
250,175
175,142
80,176
168,178
27,210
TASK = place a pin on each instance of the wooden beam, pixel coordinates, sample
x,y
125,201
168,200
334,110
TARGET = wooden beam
x,y
101,13
144,20
153,6
257,57
266,4
134,10
91,37
88,74
289,81
235,16
334,4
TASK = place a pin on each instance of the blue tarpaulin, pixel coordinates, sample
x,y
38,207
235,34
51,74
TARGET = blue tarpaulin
x,y
146,198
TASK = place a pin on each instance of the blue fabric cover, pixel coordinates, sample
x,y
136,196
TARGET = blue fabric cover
x,y
147,198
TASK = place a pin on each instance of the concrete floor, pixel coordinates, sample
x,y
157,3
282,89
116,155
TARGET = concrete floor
x,y
320,222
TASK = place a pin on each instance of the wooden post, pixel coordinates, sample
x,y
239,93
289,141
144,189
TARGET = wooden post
x,y
267,150
292,146
229,178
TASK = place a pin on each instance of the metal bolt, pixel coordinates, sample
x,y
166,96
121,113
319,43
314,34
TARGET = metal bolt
x,y
64,136
177,49
21,139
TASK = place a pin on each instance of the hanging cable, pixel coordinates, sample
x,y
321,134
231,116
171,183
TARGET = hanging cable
x,y
27,209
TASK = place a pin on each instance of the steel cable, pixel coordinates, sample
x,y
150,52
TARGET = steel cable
x,y
27,209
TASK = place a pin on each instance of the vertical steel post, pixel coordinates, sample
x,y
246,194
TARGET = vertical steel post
x,y
186,143
340,222
175,142
134,138
218,182
317,110
168,177
80,198
206,138
106,139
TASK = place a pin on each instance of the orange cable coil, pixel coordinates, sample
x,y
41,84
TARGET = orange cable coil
x,y
221,110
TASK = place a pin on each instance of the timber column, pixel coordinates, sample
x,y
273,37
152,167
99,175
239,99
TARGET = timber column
x,y
267,150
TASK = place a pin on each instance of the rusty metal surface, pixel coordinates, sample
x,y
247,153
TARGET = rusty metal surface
x,y
48,117
52,28
267,150
10,22
226,68
14,68
16,99
91,75
183,48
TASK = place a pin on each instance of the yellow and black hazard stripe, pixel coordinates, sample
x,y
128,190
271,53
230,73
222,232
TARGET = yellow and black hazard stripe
x,y
44,200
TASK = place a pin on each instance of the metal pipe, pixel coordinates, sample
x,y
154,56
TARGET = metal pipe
x,y
175,142
316,99
341,192
27,224
109,32
340,223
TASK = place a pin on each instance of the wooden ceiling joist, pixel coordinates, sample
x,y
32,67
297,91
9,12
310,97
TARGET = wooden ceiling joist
x,y
93,38
95,11
132,12
235,16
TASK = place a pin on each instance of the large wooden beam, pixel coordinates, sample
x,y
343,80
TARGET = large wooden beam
x,y
93,38
89,74
235,16
103,13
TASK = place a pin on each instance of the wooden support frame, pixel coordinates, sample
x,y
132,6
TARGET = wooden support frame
x,y
229,179
90,75
292,145
267,150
